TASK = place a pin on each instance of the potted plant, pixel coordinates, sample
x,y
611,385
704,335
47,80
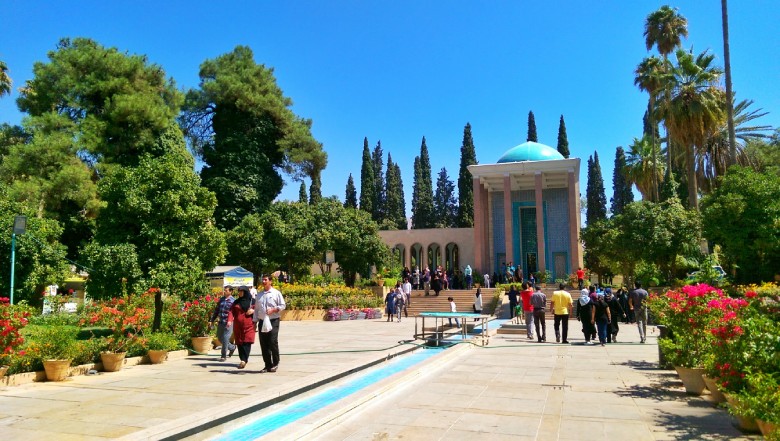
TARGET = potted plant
x,y
12,319
57,348
158,344
124,318
197,313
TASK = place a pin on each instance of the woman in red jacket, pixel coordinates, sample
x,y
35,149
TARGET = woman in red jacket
x,y
243,327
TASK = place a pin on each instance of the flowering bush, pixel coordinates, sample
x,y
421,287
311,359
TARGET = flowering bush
x,y
12,319
125,316
197,313
687,314
302,295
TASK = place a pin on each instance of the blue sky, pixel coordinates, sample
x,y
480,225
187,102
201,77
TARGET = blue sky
x,y
398,71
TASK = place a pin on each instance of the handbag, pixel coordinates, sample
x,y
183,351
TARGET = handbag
x,y
267,327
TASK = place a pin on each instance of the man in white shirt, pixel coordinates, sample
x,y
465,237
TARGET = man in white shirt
x,y
269,303
407,290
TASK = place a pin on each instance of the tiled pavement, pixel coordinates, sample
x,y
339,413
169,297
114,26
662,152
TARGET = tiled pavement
x,y
511,389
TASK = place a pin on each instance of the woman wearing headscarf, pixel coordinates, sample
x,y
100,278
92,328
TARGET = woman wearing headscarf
x,y
585,315
478,302
243,326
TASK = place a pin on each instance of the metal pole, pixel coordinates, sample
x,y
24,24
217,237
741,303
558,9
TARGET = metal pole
x,y
13,260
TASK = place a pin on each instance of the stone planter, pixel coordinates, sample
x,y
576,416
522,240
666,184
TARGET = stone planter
x,y
715,393
157,356
112,361
201,345
766,428
56,370
745,423
692,379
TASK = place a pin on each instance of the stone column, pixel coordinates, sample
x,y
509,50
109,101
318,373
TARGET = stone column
x,y
574,230
540,260
479,224
508,238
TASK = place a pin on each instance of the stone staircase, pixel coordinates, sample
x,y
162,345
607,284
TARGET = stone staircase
x,y
464,301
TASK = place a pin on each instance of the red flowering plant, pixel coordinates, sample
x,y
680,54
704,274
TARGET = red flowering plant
x,y
688,316
197,313
746,337
12,319
125,317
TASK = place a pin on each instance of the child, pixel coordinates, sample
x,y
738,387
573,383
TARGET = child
x,y
453,309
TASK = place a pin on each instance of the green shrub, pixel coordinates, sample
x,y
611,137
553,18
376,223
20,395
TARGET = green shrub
x,y
161,341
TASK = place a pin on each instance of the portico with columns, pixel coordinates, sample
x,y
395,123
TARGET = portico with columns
x,y
527,212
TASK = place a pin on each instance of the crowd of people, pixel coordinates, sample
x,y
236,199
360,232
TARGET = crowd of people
x,y
239,319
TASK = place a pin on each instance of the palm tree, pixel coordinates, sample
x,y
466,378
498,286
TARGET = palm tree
x,y
641,167
729,94
696,109
651,77
716,156
665,29
5,80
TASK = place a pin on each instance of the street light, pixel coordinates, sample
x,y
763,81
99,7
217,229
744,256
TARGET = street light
x,y
20,225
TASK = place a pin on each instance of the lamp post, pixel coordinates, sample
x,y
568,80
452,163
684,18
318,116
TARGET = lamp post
x,y
20,225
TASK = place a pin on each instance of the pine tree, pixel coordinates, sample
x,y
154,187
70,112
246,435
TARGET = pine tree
x,y
367,181
621,189
468,156
596,199
302,196
401,213
532,127
315,190
378,213
563,139
392,201
444,204
350,197
422,216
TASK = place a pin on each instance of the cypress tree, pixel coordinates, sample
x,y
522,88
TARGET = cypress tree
x,y
350,196
378,213
416,190
392,202
468,156
668,187
367,181
621,189
563,139
401,213
302,196
444,203
315,190
596,199
532,127
423,205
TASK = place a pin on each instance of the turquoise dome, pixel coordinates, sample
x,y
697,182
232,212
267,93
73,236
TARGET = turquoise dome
x,y
530,151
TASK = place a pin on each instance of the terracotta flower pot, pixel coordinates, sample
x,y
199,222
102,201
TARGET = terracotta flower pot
x,y
112,361
201,345
715,393
746,423
3,370
692,379
157,356
766,428
56,370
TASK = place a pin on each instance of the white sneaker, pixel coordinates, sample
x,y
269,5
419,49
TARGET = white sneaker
x,y
590,343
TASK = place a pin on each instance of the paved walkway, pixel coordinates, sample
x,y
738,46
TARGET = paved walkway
x,y
512,389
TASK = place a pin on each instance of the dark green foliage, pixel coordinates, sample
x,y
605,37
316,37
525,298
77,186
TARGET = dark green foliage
x,y
647,126
119,103
379,211
422,208
621,189
596,199
303,197
241,123
669,187
350,197
563,140
395,207
315,190
445,210
532,128
109,265
468,156
742,215
367,188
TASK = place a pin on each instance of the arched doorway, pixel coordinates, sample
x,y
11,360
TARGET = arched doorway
x,y
434,256
399,251
417,258
451,257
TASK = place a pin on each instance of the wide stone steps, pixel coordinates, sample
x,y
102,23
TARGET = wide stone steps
x,y
464,300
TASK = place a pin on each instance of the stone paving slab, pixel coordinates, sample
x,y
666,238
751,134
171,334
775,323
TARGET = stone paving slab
x,y
513,389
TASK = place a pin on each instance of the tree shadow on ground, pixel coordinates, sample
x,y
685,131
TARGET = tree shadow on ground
x,y
642,366
715,425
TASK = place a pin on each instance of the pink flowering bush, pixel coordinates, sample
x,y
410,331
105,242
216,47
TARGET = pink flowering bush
x,y
197,313
12,319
